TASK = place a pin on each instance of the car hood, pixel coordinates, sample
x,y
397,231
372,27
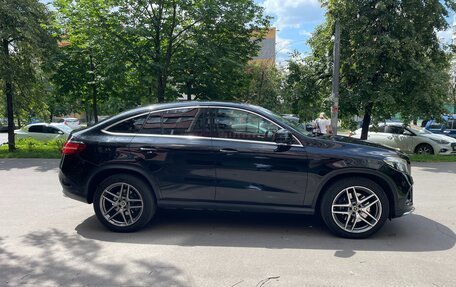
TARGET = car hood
x,y
358,147
438,137
351,140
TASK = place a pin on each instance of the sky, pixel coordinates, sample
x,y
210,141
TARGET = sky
x,y
295,20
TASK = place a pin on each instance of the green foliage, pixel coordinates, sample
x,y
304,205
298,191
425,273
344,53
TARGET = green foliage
x,y
432,158
32,148
306,87
26,43
391,59
151,51
265,87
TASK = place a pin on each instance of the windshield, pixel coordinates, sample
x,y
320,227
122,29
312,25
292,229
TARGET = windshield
x,y
419,131
301,128
65,128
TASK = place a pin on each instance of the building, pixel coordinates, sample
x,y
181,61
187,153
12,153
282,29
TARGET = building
x,y
267,54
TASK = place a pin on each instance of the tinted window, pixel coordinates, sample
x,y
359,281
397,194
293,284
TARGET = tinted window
x,y
152,124
394,130
36,129
50,130
129,126
435,125
380,129
236,124
187,121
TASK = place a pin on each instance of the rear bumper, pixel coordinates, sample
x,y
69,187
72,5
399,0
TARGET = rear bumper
x,y
69,188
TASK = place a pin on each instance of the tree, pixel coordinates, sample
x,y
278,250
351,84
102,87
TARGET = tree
x,y
197,46
26,41
265,86
391,59
306,86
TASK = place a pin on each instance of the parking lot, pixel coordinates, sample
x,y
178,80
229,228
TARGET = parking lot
x,y
49,240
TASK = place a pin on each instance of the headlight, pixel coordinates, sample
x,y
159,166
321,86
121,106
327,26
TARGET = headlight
x,y
440,141
398,164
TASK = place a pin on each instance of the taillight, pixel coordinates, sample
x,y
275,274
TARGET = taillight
x,y
70,148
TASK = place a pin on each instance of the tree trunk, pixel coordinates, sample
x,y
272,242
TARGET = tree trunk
x,y
149,95
188,90
161,86
366,120
9,100
94,90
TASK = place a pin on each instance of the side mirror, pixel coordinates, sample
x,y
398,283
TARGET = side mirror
x,y
283,137
60,132
407,133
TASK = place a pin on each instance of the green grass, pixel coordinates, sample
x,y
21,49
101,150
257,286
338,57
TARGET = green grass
x,y
30,148
432,158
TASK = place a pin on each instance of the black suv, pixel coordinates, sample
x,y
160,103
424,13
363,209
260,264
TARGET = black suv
x,y
226,156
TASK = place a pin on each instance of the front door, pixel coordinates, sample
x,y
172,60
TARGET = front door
x,y
250,166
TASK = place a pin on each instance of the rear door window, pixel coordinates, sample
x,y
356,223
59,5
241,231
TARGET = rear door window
x,y
129,126
36,129
394,130
179,122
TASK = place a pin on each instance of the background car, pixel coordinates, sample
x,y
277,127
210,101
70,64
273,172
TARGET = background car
x,y
409,140
43,132
445,126
73,123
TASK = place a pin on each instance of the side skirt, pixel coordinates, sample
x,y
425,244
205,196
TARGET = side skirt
x,y
202,205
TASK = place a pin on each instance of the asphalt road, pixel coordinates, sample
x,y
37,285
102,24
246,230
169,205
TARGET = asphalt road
x,y
49,240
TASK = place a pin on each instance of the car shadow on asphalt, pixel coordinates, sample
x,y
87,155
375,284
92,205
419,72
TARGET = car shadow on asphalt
x,y
413,233
62,259
38,164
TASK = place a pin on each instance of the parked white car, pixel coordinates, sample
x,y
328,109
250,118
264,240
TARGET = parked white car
x,y
43,132
410,140
73,123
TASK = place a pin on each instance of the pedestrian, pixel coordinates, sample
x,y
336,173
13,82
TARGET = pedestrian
x,y
322,125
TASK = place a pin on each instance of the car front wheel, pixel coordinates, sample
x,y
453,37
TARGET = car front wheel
x,y
354,208
424,149
124,203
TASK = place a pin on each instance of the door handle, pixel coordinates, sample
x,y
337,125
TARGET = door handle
x,y
390,138
228,150
148,149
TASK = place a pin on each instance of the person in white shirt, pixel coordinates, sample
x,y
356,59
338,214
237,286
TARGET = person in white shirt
x,y
322,125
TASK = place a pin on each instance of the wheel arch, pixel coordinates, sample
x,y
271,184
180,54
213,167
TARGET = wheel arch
x,y
104,172
376,177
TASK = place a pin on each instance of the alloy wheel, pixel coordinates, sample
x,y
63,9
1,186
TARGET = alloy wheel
x,y
424,149
121,204
356,209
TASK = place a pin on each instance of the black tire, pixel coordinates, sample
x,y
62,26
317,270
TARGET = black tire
x,y
424,148
356,223
123,213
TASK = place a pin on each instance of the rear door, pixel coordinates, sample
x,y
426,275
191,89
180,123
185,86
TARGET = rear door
x,y
175,147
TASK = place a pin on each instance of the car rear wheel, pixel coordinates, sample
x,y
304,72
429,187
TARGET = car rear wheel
x,y
424,149
124,203
354,208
